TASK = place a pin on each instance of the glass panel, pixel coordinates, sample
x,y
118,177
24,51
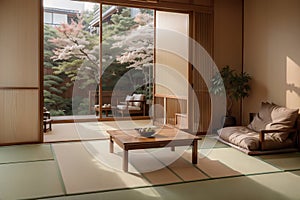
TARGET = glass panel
x,y
47,18
71,58
127,57
60,18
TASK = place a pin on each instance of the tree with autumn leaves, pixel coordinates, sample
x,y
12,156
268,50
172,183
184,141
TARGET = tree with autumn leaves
x,y
77,52
127,43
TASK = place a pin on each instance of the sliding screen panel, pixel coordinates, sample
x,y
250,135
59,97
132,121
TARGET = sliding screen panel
x,y
19,39
19,116
172,33
171,66
20,59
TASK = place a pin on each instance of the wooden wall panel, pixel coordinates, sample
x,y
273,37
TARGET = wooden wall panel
x,y
159,110
20,59
170,5
191,2
175,106
19,116
200,108
19,39
167,107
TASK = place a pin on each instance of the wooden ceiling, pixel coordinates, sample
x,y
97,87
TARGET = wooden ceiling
x,y
171,5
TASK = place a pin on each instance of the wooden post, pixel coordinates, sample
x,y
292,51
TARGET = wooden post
x,y
125,160
111,145
195,152
172,148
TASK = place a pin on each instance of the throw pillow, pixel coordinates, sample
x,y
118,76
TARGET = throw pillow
x,y
129,98
282,119
138,97
263,117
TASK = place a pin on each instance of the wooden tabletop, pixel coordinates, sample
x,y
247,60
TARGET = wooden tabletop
x,y
164,137
163,134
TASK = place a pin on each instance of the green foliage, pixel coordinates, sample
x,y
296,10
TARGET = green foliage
x,y
144,89
53,84
49,33
83,108
57,112
88,16
119,23
53,77
78,52
73,54
235,85
68,68
138,50
147,11
105,8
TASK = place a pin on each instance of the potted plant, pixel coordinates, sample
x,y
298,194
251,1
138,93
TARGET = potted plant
x,y
235,85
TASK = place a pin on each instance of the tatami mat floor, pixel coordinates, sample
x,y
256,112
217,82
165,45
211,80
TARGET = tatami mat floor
x,y
86,170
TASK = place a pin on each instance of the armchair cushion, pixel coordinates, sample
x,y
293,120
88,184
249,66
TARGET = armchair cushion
x,y
248,139
134,104
240,136
127,100
262,118
138,97
274,117
125,107
271,130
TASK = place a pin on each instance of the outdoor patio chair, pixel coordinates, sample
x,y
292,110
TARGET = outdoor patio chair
x,y
274,129
135,104
47,121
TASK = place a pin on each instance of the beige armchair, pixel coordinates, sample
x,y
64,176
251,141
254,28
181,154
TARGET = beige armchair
x,y
135,104
273,129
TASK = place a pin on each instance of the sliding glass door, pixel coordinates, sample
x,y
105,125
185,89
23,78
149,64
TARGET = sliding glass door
x,y
127,59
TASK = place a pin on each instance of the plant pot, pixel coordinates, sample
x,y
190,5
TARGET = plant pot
x,y
229,121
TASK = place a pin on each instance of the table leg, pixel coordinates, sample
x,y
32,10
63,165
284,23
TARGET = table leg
x,y
125,161
111,145
173,148
195,152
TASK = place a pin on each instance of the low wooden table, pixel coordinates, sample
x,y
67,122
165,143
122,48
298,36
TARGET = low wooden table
x,y
170,137
105,109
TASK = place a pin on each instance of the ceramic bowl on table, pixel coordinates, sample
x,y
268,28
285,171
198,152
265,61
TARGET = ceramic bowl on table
x,y
146,132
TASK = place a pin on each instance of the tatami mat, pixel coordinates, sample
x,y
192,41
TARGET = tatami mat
x,y
186,170
296,172
85,165
75,132
209,142
161,176
82,172
24,153
287,161
156,165
266,187
89,130
214,168
222,162
30,180
281,183
87,170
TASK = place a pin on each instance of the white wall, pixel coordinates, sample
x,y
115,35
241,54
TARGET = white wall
x,y
228,43
272,53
